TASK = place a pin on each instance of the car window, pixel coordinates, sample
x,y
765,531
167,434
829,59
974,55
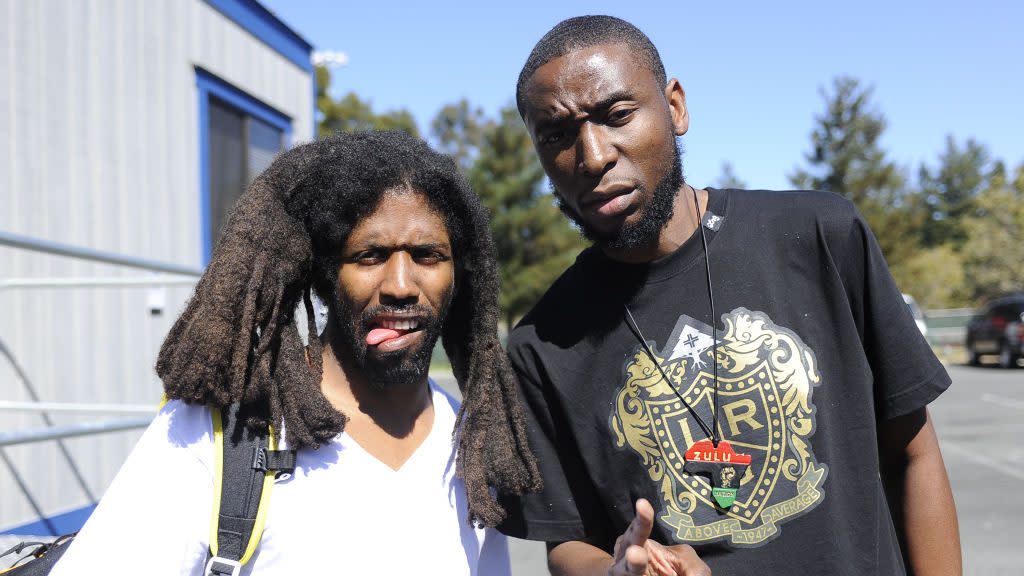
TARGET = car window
x,y
1011,311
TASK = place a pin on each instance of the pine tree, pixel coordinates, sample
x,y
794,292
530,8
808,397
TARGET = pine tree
x,y
457,130
994,249
950,191
534,241
728,178
351,113
847,158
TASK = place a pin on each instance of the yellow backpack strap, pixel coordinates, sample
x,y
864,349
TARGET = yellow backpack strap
x,y
245,465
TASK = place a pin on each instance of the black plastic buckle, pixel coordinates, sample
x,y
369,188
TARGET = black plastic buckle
x,y
277,460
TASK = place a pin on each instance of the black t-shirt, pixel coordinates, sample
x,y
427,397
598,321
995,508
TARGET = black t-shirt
x,y
815,348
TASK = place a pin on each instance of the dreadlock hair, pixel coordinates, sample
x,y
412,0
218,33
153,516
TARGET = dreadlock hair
x,y
581,32
237,339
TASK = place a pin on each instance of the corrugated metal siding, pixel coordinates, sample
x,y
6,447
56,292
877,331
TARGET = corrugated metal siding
x,y
99,148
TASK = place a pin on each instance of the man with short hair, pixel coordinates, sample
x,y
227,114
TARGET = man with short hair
x,y
387,233
724,372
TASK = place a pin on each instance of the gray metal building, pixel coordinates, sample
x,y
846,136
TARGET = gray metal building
x,y
127,128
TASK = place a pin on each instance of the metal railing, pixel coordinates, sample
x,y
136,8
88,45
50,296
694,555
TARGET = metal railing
x,y
7,406
50,247
71,431
182,275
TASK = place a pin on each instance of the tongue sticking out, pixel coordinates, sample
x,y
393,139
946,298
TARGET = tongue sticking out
x,y
378,335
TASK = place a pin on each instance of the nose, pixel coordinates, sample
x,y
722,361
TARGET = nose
x,y
399,286
596,153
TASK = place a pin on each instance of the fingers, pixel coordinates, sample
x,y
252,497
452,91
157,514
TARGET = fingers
x,y
635,561
685,561
637,555
660,561
639,529
650,560
631,558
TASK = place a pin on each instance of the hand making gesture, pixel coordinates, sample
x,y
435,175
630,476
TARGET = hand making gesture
x,y
637,555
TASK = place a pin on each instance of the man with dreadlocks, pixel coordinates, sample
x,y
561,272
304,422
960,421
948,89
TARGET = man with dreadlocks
x,y
727,372
387,233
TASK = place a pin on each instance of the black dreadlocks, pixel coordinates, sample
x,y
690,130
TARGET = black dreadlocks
x,y
237,339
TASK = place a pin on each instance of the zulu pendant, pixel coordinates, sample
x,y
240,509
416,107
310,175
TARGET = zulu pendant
x,y
721,464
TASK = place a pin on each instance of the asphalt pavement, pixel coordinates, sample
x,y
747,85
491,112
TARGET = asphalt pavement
x,y
980,424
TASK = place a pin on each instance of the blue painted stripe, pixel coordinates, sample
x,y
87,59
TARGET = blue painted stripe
x,y
71,521
209,85
242,101
313,134
269,29
204,175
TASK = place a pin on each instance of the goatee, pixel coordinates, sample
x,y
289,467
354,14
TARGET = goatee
x,y
651,220
385,369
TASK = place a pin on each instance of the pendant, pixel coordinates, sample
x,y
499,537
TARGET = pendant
x,y
721,464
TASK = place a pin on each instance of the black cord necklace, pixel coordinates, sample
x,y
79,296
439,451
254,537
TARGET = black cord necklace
x,y
713,457
709,432
712,431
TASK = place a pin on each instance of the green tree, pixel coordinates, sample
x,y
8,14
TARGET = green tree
x,y
351,113
949,191
994,249
458,130
934,276
847,158
728,178
534,241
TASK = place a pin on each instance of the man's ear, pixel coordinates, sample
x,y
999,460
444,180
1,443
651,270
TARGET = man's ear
x,y
676,97
321,310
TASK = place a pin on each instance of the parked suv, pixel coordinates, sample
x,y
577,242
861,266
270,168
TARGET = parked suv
x,y
998,329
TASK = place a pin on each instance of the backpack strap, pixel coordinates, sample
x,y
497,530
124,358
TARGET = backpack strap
x,y
245,465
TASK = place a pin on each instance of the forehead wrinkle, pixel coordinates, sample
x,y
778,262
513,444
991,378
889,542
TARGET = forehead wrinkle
x,y
542,100
584,86
417,233
413,226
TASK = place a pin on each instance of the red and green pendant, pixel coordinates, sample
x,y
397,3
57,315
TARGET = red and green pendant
x,y
721,464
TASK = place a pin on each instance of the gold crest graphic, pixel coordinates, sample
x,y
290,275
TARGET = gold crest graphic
x,y
766,377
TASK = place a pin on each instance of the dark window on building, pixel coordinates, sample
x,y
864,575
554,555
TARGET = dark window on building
x,y
241,147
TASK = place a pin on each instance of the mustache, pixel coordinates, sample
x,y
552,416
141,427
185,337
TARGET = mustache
x,y
421,310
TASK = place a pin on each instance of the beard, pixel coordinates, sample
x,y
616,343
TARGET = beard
x,y
651,220
384,369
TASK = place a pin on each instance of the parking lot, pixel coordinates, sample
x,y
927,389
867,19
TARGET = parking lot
x,y
980,422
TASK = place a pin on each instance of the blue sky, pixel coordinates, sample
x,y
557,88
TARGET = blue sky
x,y
751,70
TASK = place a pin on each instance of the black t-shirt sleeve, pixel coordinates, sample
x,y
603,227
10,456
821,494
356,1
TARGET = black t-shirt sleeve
x,y
562,510
907,375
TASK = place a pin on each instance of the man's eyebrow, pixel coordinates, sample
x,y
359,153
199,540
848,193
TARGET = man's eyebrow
x,y
372,244
617,96
558,118
552,121
427,246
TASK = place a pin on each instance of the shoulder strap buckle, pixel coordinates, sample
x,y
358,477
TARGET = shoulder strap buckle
x,y
265,460
218,566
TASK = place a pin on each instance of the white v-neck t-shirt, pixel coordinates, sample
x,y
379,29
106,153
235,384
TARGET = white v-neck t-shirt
x,y
342,511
